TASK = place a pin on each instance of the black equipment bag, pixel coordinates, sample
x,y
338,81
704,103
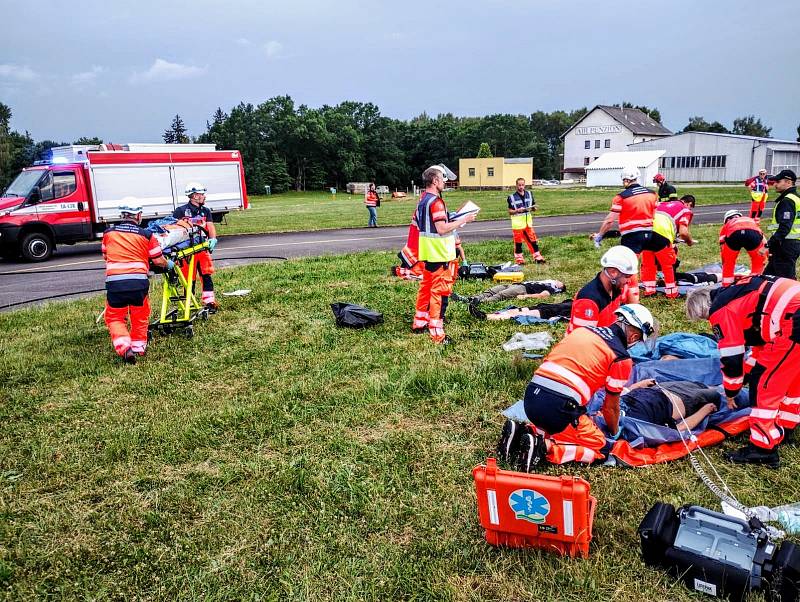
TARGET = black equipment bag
x,y
355,316
474,270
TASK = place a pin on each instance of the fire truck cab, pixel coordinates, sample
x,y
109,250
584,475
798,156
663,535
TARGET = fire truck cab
x,y
73,194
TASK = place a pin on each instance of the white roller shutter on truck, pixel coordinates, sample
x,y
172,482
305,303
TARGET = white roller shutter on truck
x,y
150,183
222,181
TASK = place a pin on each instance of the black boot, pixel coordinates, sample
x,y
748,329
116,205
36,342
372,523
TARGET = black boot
x,y
475,312
750,454
532,451
508,445
788,437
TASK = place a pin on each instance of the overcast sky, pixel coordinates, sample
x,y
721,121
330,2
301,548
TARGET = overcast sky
x,y
122,70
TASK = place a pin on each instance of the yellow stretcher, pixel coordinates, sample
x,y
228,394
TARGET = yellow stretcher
x,y
180,306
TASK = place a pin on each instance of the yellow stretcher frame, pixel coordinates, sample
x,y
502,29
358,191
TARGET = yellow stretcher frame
x,y
179,304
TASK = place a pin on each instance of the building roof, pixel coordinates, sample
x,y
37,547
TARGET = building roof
x,y
518,160
740,136
640,159
641,124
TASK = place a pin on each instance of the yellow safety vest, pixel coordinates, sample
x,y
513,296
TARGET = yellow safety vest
x,y
664,225
520,221
433,247
794,232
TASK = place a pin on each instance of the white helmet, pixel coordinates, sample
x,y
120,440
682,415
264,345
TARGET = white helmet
x,y
445,171
629,173
638,316
730,214
194,187
130,205
621,258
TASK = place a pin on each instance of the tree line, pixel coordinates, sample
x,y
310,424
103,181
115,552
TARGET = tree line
x,y
295,147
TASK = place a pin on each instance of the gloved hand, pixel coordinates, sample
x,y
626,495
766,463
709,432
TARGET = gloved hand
x,y
170,265
598,239
212,242
616,435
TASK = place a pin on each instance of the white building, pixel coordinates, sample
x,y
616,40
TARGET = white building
x,y
606,129
710,157
605,171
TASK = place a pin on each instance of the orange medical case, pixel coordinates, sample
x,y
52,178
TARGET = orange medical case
x,y
529,510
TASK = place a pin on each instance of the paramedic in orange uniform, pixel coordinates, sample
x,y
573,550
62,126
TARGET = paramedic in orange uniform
x,y
437,248
773,337
196,213
739,233
128,251
586,360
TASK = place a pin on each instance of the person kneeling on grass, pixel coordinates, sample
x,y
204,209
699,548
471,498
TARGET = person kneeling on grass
x,y
555,400
595,304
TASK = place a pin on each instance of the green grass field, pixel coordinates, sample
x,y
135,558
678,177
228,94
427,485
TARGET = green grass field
x,y
298,211
275,456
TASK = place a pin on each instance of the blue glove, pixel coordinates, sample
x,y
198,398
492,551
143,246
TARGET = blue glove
x,y
170,265
212,242
616,435
598,239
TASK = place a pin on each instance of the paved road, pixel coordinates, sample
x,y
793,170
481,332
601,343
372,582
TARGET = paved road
x,y
21,283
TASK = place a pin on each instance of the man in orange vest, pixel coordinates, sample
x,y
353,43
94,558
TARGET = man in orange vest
x,y
585,360
739,233
437,248
128,251
762,312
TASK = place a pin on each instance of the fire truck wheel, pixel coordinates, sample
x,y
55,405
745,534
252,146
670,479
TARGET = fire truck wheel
x,y
36,246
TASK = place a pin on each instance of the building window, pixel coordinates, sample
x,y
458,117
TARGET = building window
x,y
586,160
490,172
587,144
597,144
608,143
471,172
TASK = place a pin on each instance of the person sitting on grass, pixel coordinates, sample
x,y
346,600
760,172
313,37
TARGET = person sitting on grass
x,y
596,302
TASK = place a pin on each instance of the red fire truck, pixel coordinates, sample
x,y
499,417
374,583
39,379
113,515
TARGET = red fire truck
x,y
73,195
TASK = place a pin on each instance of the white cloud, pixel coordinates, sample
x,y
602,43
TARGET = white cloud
x,y
273,49
87,77
17,72
396,36
161,71
243,42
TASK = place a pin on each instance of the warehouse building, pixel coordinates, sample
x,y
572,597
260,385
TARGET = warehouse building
x,y
494,172
605,171
602,130
710,157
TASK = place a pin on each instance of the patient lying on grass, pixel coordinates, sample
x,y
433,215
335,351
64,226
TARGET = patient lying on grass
x,y
680,405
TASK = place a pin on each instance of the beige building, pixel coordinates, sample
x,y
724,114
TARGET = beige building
x,y
494,172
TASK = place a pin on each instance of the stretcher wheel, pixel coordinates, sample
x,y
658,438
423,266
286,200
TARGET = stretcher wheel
x,y
189,332
204,314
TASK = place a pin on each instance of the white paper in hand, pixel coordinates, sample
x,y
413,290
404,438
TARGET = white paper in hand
x,y
468,207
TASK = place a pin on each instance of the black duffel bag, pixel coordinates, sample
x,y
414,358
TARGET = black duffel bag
x,y
355,316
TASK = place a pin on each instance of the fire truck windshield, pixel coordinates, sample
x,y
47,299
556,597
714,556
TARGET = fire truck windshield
x,y
23,183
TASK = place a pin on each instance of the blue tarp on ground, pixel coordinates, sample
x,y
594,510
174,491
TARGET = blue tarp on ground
x,y
684,345
703,370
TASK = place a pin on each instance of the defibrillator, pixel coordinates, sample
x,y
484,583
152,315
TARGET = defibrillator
x,y
719,555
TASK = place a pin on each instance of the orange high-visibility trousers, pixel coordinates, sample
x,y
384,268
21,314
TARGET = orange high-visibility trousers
x,y
122,338
583,443
666,259
434,286
775,391
729,257
205,267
